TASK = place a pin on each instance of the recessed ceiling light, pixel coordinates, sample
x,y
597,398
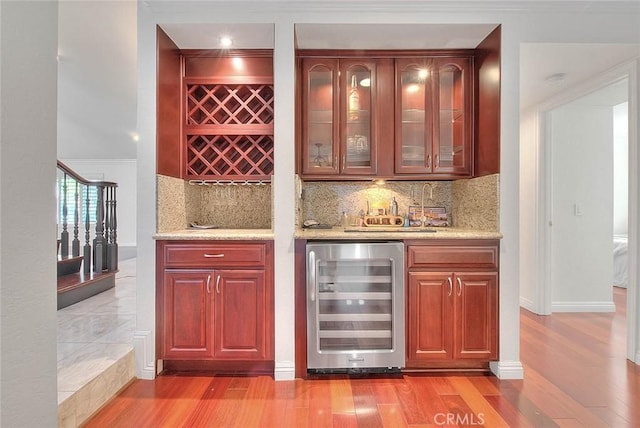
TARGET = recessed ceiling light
x,y
225,41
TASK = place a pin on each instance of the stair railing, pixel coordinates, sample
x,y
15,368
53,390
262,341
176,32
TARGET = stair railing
x,y
84,194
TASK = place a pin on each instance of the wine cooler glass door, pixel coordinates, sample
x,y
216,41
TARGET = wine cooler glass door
x,y
355,320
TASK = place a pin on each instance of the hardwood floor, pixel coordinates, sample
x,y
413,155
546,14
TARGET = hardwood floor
x,y
576,374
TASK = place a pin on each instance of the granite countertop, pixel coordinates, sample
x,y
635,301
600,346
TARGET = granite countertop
x,y
337,233
396,233
216,234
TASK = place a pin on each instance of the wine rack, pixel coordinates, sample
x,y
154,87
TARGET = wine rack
x,y
230,156
229,130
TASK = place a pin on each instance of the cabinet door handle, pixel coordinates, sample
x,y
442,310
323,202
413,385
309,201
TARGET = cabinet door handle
x,y
450,286
209,284
437,159
459,286
344,162
429,161
213,256
218,284
311,275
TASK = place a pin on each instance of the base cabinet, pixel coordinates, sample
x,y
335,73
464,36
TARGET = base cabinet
x,y
215,302
452,315
186,306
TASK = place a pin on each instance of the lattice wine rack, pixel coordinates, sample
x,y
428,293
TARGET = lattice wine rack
x,y
229,131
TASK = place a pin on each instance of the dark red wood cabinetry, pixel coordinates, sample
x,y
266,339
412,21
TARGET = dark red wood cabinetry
x,y
215,304
215,113
341,114
392,115
452,303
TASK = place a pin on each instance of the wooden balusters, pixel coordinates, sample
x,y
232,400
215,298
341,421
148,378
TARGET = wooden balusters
x,y
64,236
75,244
87,233
102,254
98,241
112,225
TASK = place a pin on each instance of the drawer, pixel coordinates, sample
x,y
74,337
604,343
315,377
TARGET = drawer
x,y
214,255
452,256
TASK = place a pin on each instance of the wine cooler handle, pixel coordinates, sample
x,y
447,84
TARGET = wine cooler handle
x,y
311,275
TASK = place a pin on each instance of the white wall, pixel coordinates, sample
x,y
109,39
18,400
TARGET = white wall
x,y
582,207
97,79
621,169
28,390
529,215
123,172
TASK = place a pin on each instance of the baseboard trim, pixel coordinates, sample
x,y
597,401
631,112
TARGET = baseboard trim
x,y
527,304
145,355
583,307
126,252
507,370
284,371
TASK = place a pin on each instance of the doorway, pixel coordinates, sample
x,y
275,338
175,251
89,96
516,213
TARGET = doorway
x,y
536,178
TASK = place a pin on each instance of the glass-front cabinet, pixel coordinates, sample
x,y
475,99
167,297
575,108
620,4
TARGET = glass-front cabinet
x,y
337,124
433,111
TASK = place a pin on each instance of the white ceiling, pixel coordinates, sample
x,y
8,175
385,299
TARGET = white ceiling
x,y
333,36
578,62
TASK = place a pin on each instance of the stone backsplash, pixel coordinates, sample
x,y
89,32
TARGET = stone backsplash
x,y
472,203
227,206
326,201
476,203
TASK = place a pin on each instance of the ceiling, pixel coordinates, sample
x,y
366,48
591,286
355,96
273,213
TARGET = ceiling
x,y
576,63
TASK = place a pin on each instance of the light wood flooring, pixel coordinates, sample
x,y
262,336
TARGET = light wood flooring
x,y
576,375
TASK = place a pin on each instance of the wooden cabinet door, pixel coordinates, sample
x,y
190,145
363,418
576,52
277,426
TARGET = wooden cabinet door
x,y
476,315
358,136
414,116
241,309
186,303
430,319
320,120
452,116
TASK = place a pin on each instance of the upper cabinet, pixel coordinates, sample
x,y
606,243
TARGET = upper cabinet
x,y
402,118
433,117
215,113
338,130
228,116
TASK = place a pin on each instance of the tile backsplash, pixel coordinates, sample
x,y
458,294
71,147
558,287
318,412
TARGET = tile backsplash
x,y
326,201
472,203
227,206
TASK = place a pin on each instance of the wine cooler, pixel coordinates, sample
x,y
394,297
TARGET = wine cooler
x,y
355,306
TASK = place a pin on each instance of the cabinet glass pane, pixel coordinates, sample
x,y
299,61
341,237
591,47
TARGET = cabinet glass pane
x,y
451,135
355,305
358,118
320,118
416,143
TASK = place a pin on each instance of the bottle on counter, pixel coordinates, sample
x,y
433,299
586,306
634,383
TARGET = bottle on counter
x,y
406,220
345,219
394,207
